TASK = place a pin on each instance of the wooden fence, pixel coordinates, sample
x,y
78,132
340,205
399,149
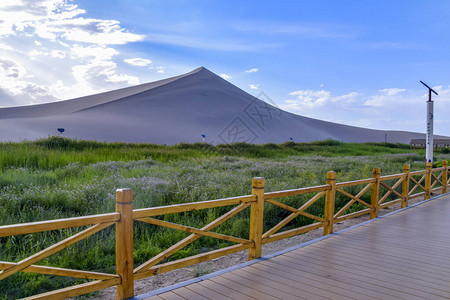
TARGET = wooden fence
x,y
384,191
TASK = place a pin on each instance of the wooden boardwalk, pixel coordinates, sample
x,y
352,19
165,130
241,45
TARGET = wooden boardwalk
x,y
403,255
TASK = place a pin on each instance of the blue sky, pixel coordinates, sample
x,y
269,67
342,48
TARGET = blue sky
x,y
352,62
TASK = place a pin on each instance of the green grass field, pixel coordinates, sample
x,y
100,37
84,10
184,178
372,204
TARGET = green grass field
x,y
57,177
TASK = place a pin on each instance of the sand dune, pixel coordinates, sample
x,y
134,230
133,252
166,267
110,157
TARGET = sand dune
x,y
178,109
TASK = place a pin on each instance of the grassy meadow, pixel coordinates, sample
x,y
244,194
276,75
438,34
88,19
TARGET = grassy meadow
x,y
57,177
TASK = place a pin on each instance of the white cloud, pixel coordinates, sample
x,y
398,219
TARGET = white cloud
x,y
376,101
58,54
95,76
100,52
385,109
392,91
138,62
6,47
99,70
104,32
52,19
252,70
253,86
444,94
385,98
309,98
35,53
319,103
158,69
10,69
21,15
225,76
65,54
349,98
15,87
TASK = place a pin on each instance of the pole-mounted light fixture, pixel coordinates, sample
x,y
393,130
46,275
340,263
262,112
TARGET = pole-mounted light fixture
x,y
429,134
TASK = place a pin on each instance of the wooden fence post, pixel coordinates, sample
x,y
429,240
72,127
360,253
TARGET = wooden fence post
x,y
405,185
257,218
428,181
330,203
445,176
124,243
375,193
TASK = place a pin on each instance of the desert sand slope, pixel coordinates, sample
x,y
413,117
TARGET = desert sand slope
x,y
178,109
73,105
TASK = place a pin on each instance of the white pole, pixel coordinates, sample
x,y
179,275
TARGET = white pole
x,y
429,140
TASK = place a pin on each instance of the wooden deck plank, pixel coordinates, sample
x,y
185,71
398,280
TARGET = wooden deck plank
x,y
189,294
399,260
233,294
171,296
407,225
296,281
324,269
403,219
414,226
393,238
360,249
254,291
399,284
208,293
299,285
437,246
439,288
407,234
390,250
382,277
414,223
300,294
381,264
345,280
400,256
264,286
412,236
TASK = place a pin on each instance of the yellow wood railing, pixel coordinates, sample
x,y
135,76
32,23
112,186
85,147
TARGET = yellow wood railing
x,y
379,189
101,280
152,267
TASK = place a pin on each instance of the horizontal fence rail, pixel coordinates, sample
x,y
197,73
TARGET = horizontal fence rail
x,y
355,198
101,280
151,267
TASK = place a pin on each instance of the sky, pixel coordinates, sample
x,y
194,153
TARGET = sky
x,y
352,62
